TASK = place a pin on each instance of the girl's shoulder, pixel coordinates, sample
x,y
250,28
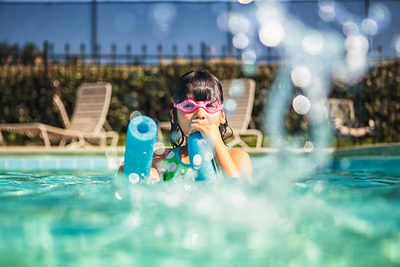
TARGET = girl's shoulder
x,y
238,153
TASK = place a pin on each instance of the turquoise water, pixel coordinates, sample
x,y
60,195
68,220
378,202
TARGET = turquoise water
x,y
93,218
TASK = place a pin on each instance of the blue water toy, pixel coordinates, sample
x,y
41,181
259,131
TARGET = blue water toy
x,y
140,139
201,157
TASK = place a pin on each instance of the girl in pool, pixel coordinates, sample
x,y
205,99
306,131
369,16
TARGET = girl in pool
x,y
198,108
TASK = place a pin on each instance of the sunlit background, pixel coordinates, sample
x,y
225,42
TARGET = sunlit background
x,y
178,28
325,74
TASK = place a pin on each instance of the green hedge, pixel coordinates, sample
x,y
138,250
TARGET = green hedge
x,y
26,92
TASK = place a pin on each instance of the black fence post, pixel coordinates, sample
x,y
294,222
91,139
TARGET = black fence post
x,y
238,53
82,52
223,51
174,51
128,53
144,54
203,55
230,37
190,52
45,51
66,53
51,52
98,54
113,54
159,52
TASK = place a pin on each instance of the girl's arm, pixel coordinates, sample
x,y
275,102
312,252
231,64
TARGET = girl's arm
x,y
235,162
157,165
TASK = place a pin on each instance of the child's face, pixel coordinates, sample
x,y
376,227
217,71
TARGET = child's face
x,y
184,119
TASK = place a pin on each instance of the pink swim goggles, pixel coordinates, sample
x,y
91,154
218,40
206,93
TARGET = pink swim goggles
x,y
190,105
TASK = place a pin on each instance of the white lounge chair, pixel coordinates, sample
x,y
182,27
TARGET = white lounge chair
x,y
238,103
88,120
342,112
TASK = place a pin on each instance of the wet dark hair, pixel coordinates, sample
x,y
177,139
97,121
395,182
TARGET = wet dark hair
x,y
203,86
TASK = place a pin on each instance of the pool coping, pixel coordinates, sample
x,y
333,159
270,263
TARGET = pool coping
x,y
381,156
377,150
90,151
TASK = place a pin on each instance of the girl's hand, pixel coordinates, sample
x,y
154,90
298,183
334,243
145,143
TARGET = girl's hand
x,y
208,130
154,175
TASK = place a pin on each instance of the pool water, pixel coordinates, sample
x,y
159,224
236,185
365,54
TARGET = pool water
x,y
95,218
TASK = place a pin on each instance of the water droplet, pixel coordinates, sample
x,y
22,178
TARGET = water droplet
x,y
271,33
249,57
134,178
230,105
301,104
238,24
350,28
326,10
118,196
327,16
308,146
245,2
326,6
222,21
356,43
240,41
164,12
369,26
175,135
135,114
313,43
345,164
236,89
197,160
301,76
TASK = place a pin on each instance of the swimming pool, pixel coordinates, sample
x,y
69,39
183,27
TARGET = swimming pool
x,y
87,216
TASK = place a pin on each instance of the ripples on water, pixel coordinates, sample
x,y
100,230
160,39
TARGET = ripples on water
x,y
98,219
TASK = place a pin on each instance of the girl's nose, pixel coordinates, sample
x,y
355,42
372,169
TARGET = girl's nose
x,y
200,114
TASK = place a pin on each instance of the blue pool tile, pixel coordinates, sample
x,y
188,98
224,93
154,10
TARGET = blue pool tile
x,y
49,164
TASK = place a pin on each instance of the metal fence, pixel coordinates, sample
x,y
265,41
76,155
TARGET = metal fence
x,y
91,40
128,58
